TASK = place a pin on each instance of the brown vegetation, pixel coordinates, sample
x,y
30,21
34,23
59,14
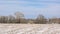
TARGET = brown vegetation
x,y
19,18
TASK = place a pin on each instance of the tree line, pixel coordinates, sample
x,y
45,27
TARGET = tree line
x,y
18,17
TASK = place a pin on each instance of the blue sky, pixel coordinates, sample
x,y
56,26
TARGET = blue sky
x,y
31,8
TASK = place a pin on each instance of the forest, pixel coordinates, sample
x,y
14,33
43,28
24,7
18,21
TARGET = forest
x,y
19,18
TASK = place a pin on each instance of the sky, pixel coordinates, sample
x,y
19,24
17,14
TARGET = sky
x,y
31,8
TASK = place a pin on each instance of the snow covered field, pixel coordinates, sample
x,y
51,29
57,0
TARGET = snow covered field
x,y
29,29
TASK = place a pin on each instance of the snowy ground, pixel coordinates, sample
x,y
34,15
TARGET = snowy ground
x,y
29,29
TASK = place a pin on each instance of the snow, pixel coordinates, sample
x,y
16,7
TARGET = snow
x,y
29,29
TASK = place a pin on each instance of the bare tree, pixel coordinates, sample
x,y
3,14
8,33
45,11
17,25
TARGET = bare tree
x,y
41,19
3,19
19,16
11,19
54,20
